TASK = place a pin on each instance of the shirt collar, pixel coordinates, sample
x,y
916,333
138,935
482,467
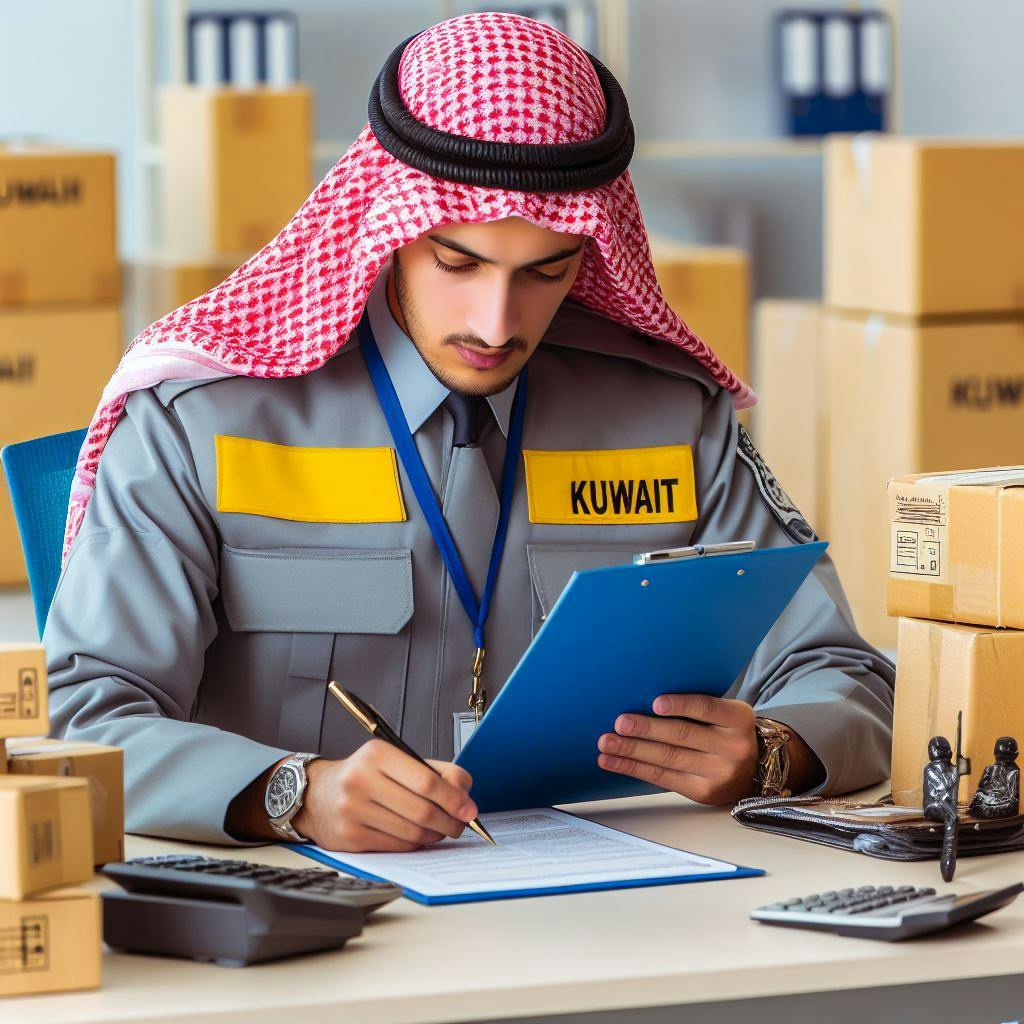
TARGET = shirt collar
x,y
419,391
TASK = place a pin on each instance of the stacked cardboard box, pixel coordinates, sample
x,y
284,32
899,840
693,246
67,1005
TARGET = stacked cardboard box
x,y
50,932
237,165
956,579
924,331
60,331
790,422
102,768
709,287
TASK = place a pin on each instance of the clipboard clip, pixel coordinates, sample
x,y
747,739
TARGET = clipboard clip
x,y
734,547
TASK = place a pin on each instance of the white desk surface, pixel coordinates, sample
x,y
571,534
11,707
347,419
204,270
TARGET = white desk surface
x,y
663,945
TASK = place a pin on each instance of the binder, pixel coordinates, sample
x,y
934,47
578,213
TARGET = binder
x,y
833,69
617,638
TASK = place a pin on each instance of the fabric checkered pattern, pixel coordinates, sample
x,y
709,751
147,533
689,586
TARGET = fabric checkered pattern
x,y
294,304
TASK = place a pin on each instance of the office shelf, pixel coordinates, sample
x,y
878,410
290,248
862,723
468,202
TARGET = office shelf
x,y
613,35
726,149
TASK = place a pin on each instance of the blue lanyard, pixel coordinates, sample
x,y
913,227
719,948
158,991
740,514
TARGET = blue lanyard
x,y
431,507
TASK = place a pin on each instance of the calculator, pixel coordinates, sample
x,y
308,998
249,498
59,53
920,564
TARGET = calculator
x,y
890,912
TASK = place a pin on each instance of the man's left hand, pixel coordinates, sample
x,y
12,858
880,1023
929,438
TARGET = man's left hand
x,y
701,747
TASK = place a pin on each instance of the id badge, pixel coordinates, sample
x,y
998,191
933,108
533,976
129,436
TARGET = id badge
x,y
463,725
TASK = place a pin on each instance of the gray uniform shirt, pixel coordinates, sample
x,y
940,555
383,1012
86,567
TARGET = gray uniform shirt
x,y
204,607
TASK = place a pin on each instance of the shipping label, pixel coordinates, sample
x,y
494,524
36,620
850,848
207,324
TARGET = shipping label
x,y
920,532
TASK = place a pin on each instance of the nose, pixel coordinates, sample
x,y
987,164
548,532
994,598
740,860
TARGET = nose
x,y
494,319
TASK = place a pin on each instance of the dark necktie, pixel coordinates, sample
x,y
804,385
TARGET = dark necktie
x,y
465,413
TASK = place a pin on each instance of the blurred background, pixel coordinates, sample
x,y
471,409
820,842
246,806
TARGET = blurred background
x,y
834,194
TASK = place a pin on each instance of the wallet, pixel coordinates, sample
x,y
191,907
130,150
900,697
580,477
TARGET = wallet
x,y
879,829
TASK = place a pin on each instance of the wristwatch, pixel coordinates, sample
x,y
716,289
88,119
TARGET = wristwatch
x,y
284,795
772,758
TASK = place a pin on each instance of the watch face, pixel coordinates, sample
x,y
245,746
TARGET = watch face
x,y
282,792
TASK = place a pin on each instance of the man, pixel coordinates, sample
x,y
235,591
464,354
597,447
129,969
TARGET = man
x,y
282,459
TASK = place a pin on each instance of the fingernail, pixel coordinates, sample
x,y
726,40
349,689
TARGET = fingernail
x,y
662,706
624,725
608,742
468,811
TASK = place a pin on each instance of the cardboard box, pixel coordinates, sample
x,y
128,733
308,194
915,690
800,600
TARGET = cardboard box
x,y
102,767
24,697
902,215
53,943
57,225
906,397
237,165
945,668
54,364
158,284
957,546
45,834
790,423
709,288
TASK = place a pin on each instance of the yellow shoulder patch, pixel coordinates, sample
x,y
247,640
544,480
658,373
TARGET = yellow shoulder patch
x,y
623,485
311,485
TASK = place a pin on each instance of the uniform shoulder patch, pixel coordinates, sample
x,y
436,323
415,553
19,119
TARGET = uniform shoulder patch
x,y
779,503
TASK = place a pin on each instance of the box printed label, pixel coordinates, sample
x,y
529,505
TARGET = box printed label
x,y
920,533
26,946
23,701
43,841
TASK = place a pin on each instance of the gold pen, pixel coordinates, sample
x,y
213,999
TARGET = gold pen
x,y
377,726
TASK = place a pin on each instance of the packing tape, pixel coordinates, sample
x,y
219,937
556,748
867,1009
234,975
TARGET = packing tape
x,y
873,327
860,147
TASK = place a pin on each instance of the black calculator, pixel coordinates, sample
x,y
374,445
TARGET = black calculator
x,y
889,912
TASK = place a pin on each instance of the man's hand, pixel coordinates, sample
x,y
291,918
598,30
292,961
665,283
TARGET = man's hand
x,y
379,799
706,750
382,800
701,747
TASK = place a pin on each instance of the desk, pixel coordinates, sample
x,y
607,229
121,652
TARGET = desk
x,y
684,953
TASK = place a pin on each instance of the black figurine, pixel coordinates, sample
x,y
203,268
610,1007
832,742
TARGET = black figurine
x,y
941,780
941,790
998,793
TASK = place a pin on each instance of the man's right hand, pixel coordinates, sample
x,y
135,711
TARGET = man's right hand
x,y
381,800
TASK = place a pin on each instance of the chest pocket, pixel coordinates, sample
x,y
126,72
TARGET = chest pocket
x,y
552,566
347,613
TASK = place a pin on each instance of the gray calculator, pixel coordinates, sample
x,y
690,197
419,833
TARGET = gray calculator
x,y
884,912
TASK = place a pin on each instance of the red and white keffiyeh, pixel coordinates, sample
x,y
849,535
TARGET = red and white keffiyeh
x,y
291,306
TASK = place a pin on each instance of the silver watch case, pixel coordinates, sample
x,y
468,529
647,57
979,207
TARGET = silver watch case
x,y
281,823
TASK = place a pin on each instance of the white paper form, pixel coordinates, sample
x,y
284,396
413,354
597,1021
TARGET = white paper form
x,y
537,850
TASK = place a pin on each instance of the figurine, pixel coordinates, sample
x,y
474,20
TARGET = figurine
x,y
998,793
941,790
940,780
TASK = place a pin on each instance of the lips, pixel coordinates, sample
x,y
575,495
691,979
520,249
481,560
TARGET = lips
x,y
482,360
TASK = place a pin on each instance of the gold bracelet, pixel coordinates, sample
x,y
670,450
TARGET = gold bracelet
x,y
773,758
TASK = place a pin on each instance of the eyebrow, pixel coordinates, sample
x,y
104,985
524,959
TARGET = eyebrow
x,y
554,258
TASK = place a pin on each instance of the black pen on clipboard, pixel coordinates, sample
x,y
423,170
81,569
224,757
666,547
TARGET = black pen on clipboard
x,y
377,726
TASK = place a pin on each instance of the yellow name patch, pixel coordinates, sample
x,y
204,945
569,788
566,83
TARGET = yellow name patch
x,y
311,485
625,485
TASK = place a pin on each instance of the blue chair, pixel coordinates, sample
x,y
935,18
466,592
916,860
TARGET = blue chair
x,y
39,475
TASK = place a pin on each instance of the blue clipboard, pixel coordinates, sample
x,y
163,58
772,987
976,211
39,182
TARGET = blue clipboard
x,y
617,638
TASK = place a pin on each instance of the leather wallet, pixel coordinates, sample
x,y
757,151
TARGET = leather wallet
x,y
879,829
